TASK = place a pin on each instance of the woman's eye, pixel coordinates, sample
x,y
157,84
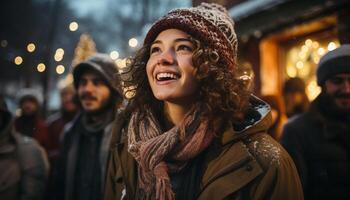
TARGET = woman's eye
x,y
154,50
184,48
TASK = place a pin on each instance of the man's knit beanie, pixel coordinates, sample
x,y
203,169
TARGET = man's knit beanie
x,y
334,62
209,23
103,65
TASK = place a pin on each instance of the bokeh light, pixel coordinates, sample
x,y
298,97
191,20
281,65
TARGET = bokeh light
x,y
41,67
60,69
114,55
18,60
31,47
133,42
73,26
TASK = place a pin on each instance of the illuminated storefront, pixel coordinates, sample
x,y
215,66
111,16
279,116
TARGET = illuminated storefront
x,y
295,53
302,59
285,39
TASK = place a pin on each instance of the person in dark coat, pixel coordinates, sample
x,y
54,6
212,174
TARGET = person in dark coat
x,y
319,140
23,162
294,97
192,130
80,168
56,124
30,121
57,121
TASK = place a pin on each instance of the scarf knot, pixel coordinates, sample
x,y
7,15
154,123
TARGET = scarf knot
x,y
153,149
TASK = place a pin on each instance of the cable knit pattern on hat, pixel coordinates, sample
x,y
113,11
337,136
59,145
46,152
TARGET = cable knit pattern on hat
x,y
210,23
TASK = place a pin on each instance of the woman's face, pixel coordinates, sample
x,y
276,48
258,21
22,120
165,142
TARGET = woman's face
x,y
170,70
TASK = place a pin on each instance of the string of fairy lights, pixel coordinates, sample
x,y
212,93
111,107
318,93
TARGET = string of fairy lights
x,y
32,47
302,59
59,53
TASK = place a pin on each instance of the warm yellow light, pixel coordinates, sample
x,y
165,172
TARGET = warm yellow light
x,y
321,51
18,60
308,42
305,70
129,92
60,69
291,71
300,64
312,90
316,59
73,26
302,55
59,54
315,45
114,55
331,46
58,57
31,47
121,63
304,48
41,67
133,42
60,51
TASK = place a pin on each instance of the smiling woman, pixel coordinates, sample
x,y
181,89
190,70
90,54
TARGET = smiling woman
x,y
192,130
170,71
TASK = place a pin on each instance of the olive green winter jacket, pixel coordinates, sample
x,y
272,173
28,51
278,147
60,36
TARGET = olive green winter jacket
x,y
246,164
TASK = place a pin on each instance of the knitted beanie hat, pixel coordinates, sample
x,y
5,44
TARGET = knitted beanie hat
x,y
103,65
334,62
210,23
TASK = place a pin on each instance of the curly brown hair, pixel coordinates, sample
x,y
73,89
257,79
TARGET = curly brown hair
x,y
221,93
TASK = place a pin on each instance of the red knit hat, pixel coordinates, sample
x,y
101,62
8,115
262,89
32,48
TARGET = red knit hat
x,y
210,23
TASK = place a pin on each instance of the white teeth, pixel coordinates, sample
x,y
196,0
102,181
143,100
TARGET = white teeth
x,y
166,75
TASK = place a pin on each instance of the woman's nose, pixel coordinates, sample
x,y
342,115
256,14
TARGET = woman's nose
x,y
166,58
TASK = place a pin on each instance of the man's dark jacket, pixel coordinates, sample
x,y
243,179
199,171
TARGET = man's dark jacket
x,y
320,147
65,171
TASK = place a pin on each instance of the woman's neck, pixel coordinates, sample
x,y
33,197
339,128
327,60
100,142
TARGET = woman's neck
x,y
175,113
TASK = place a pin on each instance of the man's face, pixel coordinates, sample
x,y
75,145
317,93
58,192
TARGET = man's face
x,y
93,92
29,107
338,89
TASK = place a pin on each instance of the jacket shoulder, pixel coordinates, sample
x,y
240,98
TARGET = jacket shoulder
x,y
280,179
267,151
31,154
301,121
297,127
53,118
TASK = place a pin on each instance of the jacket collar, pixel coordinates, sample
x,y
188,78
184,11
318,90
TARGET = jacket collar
x,y
255,125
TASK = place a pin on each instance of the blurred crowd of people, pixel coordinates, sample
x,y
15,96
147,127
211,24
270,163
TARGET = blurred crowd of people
x,y
79,152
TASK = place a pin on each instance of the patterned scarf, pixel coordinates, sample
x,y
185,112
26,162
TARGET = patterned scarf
x,y
153,149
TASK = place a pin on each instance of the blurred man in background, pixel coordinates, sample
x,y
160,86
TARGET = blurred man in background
x,y
57,121
81,166
295,98
30,122
319,140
